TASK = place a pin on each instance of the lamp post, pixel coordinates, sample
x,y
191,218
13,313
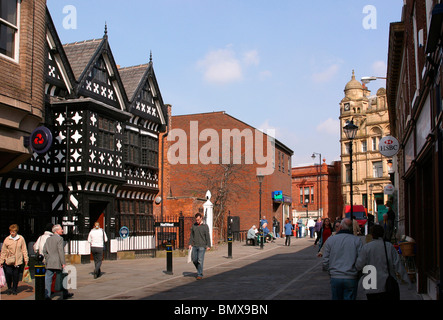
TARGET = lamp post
x,y
260,178
314,154
350,130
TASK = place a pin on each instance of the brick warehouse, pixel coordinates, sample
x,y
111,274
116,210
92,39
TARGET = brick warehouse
x,y
234,187
321,186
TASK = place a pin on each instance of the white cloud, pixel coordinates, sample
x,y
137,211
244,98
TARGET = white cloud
x,y
326,75
329,126
221,66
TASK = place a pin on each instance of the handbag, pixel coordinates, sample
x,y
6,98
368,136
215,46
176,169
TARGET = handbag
x,y
10,261
2,278
26,275
392,289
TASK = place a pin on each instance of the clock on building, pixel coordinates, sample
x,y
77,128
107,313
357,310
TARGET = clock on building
x,y
347,106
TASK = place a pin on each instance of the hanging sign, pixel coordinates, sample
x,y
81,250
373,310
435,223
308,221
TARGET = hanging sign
x,y
389,189
41,140
389,146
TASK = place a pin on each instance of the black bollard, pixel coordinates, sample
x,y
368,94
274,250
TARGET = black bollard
x,y
229,235
230,246
169,257
39,274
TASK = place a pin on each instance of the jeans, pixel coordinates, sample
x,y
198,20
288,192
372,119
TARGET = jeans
x,y
97,253
198,257
288,240
344,289
48,281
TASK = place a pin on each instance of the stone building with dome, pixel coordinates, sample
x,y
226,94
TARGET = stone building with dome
x,y
370,168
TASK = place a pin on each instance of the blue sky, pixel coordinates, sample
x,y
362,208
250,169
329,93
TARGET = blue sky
x,y
279,64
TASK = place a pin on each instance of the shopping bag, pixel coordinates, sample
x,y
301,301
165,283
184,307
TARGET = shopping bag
x,y
189,255
2,278
26,275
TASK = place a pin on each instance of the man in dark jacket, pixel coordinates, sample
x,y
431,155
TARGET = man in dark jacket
x,y
199,242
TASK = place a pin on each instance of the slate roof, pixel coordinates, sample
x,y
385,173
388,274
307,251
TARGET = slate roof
x,y
80,54
131,78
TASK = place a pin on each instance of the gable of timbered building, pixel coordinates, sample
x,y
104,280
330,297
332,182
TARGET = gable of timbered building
x,y
103,164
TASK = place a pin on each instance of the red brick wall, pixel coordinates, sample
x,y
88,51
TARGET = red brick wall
x,y
191,180
330,186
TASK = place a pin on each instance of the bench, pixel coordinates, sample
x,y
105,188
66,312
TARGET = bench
x,y
250,242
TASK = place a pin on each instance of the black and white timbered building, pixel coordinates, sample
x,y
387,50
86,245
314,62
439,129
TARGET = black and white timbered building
x,y
103,164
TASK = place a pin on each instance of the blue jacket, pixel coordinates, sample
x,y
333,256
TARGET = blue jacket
x,y
288,229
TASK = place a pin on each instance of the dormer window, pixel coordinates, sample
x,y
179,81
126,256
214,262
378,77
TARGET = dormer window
x,y
9,28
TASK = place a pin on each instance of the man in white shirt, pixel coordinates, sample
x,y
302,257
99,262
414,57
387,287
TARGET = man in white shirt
x,y
97,238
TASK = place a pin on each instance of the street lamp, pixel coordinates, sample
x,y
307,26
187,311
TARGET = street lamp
x,y
307,211
314,154
260,178
350,130
366,80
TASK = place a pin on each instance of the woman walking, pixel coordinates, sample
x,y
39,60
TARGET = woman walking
x,y
12,256
325,232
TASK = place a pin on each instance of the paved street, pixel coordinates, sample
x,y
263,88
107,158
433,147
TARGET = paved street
x,y
277,272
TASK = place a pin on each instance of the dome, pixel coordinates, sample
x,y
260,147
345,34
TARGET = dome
x,y
353,84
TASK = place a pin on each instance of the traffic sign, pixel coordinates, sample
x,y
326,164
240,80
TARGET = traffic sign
x,y
124,232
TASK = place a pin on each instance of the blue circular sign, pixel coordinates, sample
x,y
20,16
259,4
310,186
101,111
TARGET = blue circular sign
x,y
124,232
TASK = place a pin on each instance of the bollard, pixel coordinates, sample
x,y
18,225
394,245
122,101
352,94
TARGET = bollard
x,y
229,235
230,246
262,239
39,274
169,257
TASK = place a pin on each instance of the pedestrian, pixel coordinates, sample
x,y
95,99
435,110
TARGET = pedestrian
x,y
339,257
252,235
311,226
387,226
199,242
325,232
373,254
97,239
355,227
40,243
317,229
300,227
12,257
288,232
335,229
55,261
276,227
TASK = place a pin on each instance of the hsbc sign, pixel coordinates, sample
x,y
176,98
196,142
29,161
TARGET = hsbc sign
x,y
389,146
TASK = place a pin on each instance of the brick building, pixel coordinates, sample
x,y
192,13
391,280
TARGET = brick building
x,y
320,185
219,153
22,55
415,91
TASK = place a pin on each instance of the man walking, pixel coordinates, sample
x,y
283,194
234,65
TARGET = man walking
x,y
340,254
97,238
55,260
199,242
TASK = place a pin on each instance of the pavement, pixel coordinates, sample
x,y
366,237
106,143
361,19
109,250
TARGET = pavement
x,y
276,272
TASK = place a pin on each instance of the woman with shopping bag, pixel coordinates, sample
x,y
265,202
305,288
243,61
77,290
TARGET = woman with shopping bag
x,y
13,255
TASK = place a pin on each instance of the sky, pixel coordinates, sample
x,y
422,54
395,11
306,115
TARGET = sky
x,y
280,65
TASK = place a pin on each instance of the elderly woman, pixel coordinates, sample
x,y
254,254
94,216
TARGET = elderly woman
x,y
12,256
